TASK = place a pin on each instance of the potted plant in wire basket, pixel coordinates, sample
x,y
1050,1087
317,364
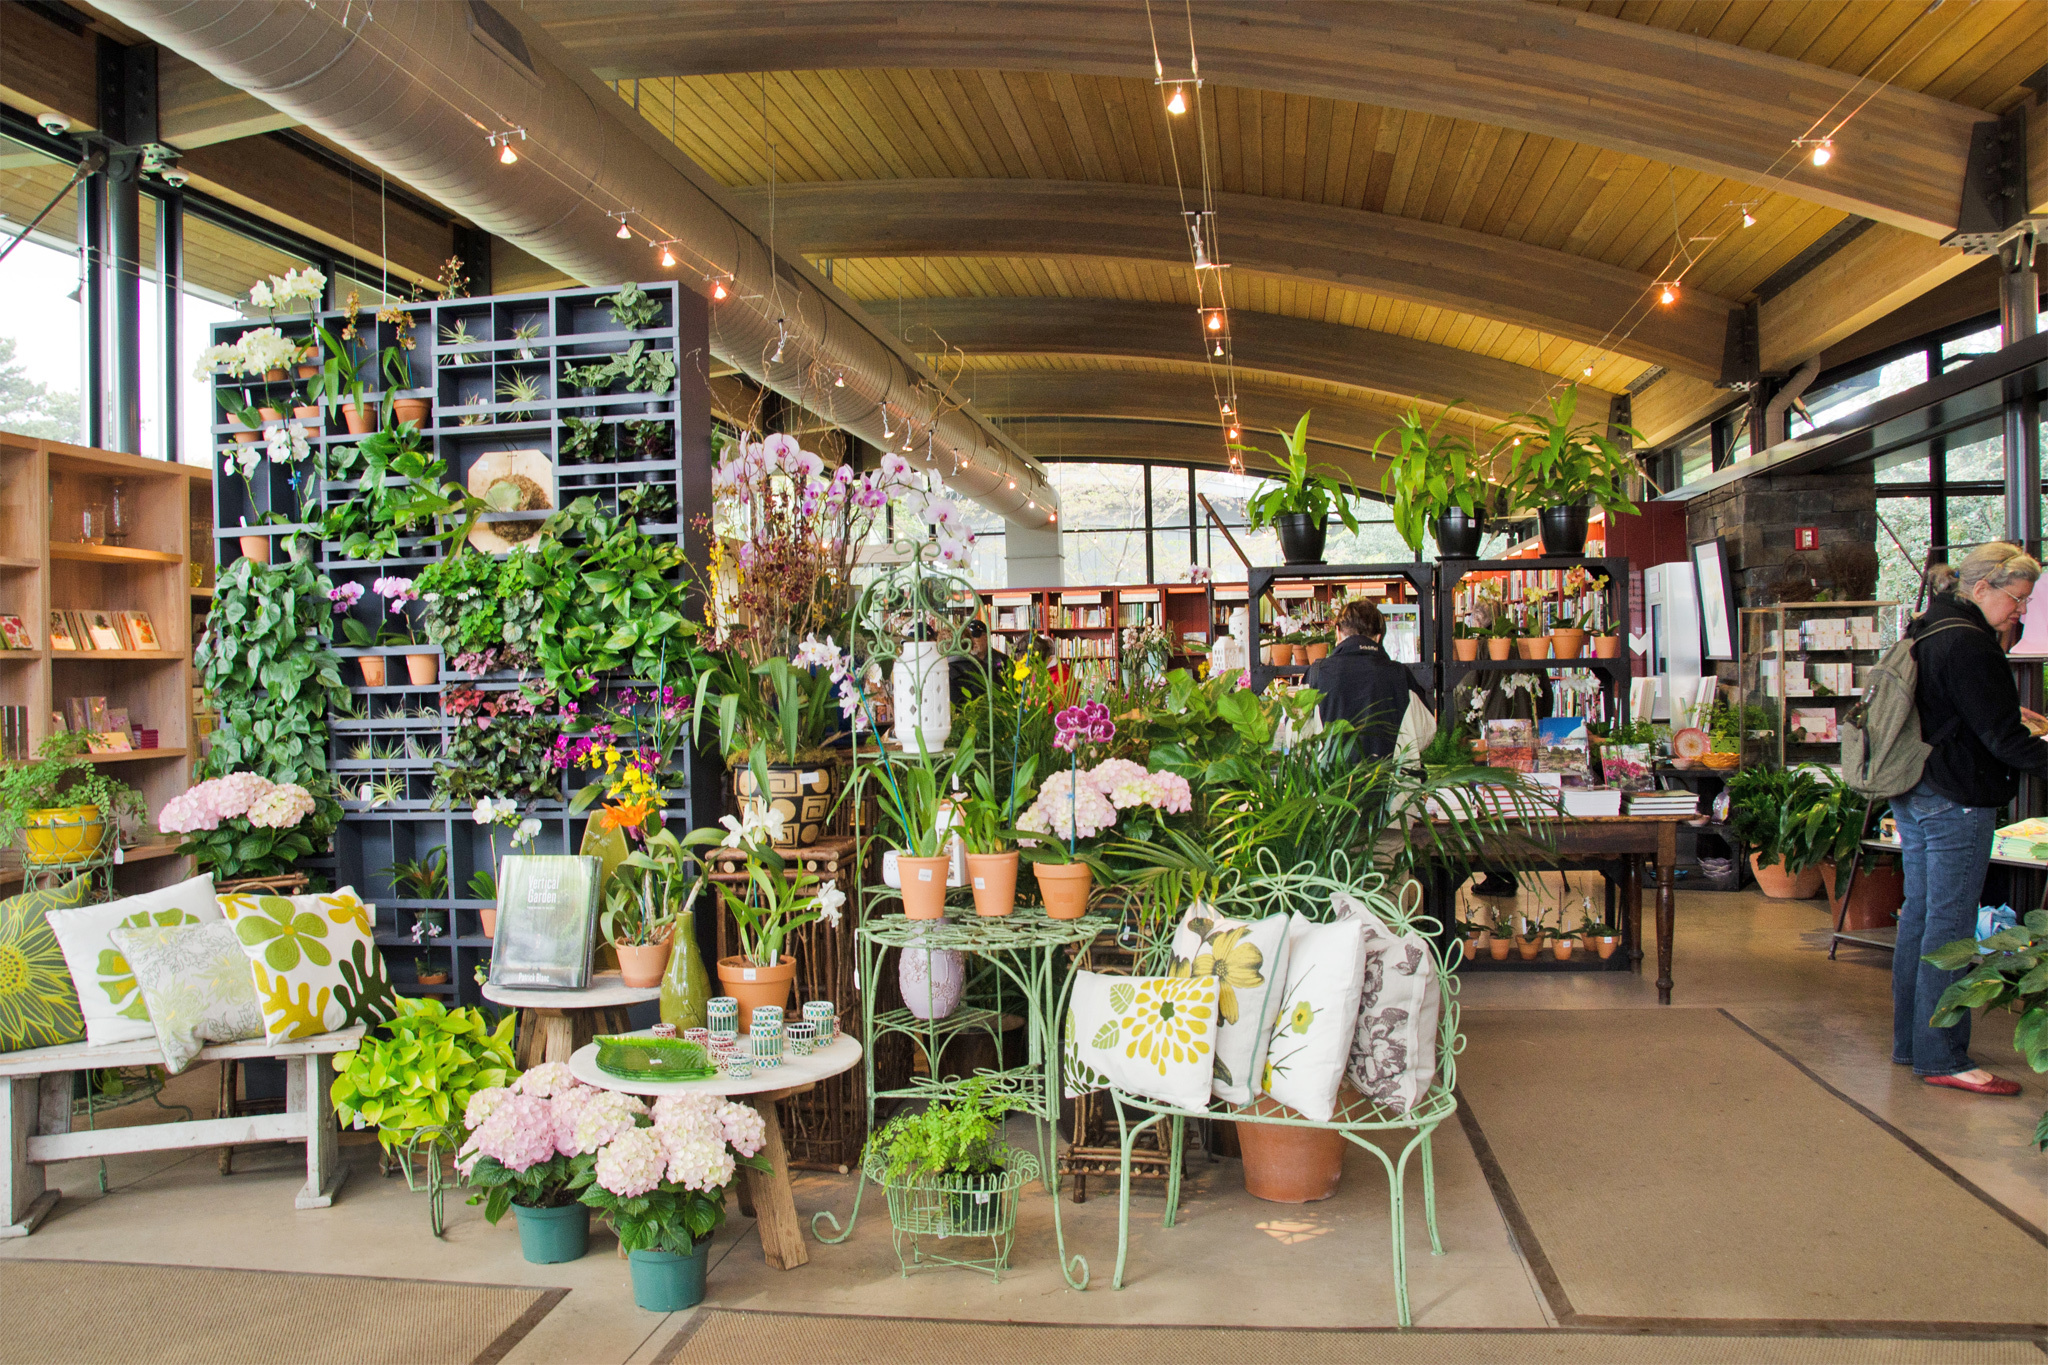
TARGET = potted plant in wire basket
x,y
61,807
1298,507
1558,468
660,1182
948,1173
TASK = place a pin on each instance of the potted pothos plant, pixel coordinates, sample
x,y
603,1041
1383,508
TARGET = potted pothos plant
x,y
61,807
1556,468
2003,972
1298,507
1435,476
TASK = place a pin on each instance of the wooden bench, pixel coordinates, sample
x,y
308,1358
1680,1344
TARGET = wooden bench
x,y
35,1117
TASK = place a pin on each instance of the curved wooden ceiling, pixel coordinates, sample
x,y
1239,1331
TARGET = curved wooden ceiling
x,y
1420,200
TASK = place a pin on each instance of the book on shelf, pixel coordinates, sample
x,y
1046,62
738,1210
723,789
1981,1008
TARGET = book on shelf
x,y
60,632
139,630
14,634
101,630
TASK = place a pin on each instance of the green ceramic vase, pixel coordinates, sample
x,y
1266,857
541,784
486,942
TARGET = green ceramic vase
x,y
685,987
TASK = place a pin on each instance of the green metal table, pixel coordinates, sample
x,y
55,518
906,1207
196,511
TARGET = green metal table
x,y
1032,956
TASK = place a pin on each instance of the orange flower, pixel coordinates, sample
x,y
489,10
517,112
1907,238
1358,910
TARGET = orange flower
x,y
625,817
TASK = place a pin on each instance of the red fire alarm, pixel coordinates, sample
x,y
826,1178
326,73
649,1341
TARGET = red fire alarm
x,y
1806,537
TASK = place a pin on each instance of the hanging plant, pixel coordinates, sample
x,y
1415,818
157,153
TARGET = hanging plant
x,y
265,659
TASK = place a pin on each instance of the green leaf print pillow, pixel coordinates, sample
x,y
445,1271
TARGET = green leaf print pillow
x,y
107,996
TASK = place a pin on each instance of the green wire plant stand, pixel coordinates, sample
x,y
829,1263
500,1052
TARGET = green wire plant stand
x,y
925,1208
418,1156
1032,956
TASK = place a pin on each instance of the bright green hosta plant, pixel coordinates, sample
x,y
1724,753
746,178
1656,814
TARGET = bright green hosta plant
x,y
420,1069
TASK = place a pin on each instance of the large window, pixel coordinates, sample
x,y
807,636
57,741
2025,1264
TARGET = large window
x,y
42,343
1955,500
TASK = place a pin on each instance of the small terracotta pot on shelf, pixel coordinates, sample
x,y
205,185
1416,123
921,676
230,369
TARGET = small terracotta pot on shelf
x,y
308,371
270,414
1562,948
1534,646
1528,948
1466,650
924,885
489,918
1498,947
994,879
1499,647
1311,653
359,418
1064,887
1606,646
255,547
752,984
1568,641
1605,945
305,414
276,376
423,669
414,410
373,669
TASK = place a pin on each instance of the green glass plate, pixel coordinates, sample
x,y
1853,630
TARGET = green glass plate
x,y
654,1059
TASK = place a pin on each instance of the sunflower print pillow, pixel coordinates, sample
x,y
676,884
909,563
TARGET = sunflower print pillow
x,y
38,1004
1152,1036
1248,959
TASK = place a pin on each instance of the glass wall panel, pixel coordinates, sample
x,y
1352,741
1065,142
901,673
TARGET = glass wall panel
x,y
1859,391
1100,497
1963,350
1903,535
1981,459
42,353
1972,520
218,267
1915,470
1103,557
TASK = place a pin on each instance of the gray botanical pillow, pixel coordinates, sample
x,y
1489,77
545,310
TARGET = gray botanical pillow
x,y
196,981
1393,1050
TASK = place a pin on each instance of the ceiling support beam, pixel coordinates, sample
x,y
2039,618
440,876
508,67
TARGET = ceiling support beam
x,y
1442,267
1175,397
196,108
1669,96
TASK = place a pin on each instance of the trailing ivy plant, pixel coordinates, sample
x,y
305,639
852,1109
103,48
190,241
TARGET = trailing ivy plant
x,y
614,602
401,487
265,658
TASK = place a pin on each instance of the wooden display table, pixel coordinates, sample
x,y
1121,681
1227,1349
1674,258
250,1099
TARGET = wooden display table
x,y
553,1024
782,1236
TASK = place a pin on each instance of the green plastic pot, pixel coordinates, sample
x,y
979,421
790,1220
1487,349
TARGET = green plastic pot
x,y
550,1236
664,1282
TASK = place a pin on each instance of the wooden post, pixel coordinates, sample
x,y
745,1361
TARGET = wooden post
x,y
314,1082
782,1235
24,1199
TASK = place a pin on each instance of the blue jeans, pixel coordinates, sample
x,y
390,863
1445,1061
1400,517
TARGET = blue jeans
x,y
1946,850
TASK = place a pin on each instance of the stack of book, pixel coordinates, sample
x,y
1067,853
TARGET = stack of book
x,y
2026,841
1663,803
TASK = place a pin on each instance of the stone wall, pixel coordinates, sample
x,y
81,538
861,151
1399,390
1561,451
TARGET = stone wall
x,y
1758,515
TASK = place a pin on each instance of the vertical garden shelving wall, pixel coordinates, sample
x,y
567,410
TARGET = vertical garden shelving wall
x,y
399,729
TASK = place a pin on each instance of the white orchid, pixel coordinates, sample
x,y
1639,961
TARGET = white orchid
x,y
502,810
757,819
528,831
831,900
261,295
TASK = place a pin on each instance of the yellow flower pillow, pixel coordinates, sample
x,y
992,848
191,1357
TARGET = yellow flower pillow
x,y
314,961
1145,1035
1248,958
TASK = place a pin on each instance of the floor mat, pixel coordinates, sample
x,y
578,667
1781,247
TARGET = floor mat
x,y
1696,1175
717,1337
111,1313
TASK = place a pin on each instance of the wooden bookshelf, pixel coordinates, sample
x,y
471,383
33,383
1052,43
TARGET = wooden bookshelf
x,y
44,565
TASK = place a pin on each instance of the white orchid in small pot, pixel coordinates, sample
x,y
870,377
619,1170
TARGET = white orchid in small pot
x,y
774,899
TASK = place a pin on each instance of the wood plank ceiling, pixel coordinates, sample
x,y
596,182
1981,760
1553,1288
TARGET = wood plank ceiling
x,y
761,129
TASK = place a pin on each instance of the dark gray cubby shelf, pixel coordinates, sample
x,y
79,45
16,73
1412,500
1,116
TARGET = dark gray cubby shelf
x,y
462,379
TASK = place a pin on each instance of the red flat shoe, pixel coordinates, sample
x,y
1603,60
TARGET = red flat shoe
x,y
1997,1085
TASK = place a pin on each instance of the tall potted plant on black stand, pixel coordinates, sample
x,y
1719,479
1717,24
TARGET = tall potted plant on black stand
x,y
1298,507
1436,477
1559,470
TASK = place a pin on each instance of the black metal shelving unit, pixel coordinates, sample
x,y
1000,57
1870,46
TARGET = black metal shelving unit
x,y
1420,577
1614,672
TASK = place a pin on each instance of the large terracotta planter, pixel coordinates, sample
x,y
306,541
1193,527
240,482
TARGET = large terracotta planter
x,y
423,669
802,792
1288,1165
1606,646
1534,646
752,985
994,879
1466,650
1875,899
1499,647
641,964
1780,885
1064,887
1569,641
924,885
373,669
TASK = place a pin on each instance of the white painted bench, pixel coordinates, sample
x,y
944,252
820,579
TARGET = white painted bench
x,y
35,1117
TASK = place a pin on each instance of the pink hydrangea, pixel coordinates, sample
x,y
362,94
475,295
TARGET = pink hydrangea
x,y
604,1118
1068,809
519,1133
697,1160
1112,773
632,1163
549,1078
693,1113
1164,791
282,807
743,1127
222,798
567,1105
483,1104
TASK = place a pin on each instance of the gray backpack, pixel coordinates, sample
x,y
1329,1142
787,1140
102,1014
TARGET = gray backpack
x,y
1882,750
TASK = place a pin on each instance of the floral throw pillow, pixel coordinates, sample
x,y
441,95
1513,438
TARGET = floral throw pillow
x,y
313,960
1145,1035
38,1006
1318,1013
1248,958
196,983
107,994
1400,1003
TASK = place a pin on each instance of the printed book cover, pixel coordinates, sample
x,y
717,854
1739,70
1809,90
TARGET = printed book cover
x,y
547,921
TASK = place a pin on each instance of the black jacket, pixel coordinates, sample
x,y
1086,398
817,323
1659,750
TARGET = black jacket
x,y
1970,709
1361,684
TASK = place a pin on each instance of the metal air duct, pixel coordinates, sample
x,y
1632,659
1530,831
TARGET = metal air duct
x,y
418,89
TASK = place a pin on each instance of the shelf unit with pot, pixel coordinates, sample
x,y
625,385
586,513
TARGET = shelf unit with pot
x,y
1613,671
1083,626
50,559
1789,646
496,388
1404,591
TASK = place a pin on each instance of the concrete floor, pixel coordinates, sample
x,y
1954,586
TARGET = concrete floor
x,y
1765,962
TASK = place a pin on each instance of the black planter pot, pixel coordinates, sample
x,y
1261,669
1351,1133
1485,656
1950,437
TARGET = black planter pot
x,y
1457,535
1564,530
1301,537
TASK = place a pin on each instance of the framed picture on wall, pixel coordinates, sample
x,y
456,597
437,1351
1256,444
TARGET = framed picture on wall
x,y
1715,586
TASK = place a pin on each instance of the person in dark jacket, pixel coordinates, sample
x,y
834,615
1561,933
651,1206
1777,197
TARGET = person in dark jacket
x,y
1970,716
1361,684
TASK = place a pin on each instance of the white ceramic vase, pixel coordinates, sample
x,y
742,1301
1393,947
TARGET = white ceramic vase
x,y
932,979
924,702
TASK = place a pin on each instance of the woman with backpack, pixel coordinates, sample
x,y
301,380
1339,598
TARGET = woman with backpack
x,y
1970,716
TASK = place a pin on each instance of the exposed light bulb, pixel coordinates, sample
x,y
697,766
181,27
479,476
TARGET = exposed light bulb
x,y
1215,321
1219,349
1588,372
1013,483
1178,104
718,290
838,381
1235,433
1669,295
624,233
1227,408
1748,219
506,156
1824,151
1052,516
668,259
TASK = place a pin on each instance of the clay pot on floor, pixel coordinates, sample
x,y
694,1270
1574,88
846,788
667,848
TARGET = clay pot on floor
x,y
1286,1165
1064,887
1875,899
1499,647
1780,885
753,985
1569,641
924,885
1466,650
641,964
373,669
994,879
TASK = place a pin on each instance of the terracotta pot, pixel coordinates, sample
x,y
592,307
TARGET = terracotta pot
x,y
273,376
1605,945
1315,652
1499,648
359,418
1466,650
1562,947
1287,1165
924,885
1475,944
1064,887
255,547
1528,948
271,414
1534,646
1606,646
641,964
994,879
412,410
243,434
1780,885
1569,641
373,669
433,979
490,922
308,371
307,414
1875,899
1497,949
423,669
752,985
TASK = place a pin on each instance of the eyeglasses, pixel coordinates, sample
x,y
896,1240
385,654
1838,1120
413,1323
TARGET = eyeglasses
x,y
2020,602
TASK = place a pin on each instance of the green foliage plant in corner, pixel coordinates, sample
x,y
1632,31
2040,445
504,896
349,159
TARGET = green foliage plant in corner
x,y
963,1136
420,1069
265,658
1303,488
2007,971
61,778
